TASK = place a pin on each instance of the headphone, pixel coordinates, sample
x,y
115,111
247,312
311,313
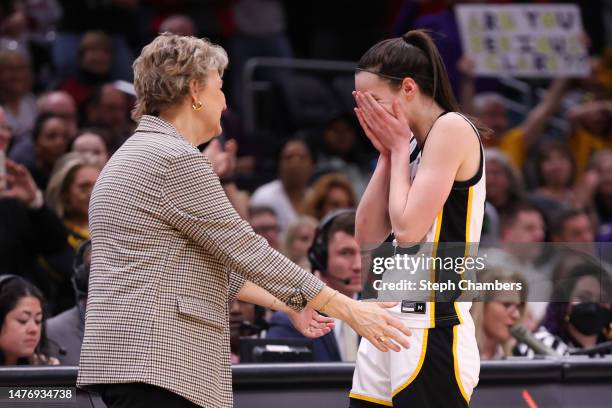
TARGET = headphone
x,y
80,271
317,253
4,279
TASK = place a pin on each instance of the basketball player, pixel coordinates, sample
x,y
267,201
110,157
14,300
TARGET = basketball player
x,y
406,108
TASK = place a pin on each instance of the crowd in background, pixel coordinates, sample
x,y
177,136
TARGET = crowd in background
x,y
65,104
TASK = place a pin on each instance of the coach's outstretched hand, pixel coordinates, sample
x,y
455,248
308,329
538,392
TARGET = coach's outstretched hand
x,y
372,321
369,319
310,323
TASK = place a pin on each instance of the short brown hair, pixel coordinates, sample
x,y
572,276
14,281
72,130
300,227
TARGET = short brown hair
x,y
165,67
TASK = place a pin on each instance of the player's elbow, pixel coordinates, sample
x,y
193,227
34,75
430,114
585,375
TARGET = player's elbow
x,y
406,235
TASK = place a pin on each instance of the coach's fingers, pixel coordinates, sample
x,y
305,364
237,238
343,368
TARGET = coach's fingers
x,y
393,322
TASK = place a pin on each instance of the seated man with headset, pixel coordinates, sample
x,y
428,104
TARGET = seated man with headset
x,y
335,257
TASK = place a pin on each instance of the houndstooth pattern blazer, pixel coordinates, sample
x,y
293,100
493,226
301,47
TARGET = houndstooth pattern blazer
x,y
165,238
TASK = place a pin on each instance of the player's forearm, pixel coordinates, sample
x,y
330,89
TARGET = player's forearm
x,y
398,194
372,224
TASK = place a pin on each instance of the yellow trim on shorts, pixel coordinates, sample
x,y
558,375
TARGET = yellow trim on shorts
x,y
419,365
456,366
371,399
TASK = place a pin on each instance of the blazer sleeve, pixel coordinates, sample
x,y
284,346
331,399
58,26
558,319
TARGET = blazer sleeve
x,y
194,203
236,281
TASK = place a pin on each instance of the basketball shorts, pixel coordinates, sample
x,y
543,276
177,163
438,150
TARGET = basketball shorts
x,y
439,370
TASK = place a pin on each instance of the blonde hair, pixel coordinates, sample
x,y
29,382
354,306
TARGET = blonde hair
x,y
293,228
315,198
62,175
503,274
165,67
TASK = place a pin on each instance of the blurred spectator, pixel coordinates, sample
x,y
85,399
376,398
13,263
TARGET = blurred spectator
x,y
286,194
27,227
29,30
518,141
264,222
50,138
108,108
16,93
223,160
522,226
260,32
246,320
336,258
62,104
340,151
68,195
119,19
69,191
91,142
22,335
329,193
591,131
95,59
583,320
555,171
66,329
298,239
178,24
490,227
504,183
601,172
572,225
497,312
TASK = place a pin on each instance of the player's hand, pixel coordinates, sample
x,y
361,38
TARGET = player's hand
x,y
310,323
372,321
391,130
369,132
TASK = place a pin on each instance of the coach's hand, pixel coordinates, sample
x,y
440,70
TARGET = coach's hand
x,y
372,321
310,323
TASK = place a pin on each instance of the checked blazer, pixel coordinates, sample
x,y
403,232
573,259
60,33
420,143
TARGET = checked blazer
x,y
168,253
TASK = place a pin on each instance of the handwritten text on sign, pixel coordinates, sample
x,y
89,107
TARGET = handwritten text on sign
x,y
524,40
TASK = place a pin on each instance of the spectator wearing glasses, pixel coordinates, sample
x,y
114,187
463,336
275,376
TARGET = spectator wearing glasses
x,y
497,312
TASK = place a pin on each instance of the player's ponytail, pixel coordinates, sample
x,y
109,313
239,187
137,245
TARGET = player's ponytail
x,y
441,90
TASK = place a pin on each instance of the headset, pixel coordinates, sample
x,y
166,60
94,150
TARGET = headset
x,y
4,279
317,253
80,271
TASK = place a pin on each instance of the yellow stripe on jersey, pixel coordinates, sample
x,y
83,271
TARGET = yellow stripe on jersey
x,y
432,277
371,399
418,367
456,365
468,220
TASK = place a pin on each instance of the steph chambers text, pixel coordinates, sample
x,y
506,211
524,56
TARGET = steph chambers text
x,y
445,286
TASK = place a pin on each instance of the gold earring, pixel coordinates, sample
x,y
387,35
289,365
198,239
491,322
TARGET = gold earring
x,y
197,105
